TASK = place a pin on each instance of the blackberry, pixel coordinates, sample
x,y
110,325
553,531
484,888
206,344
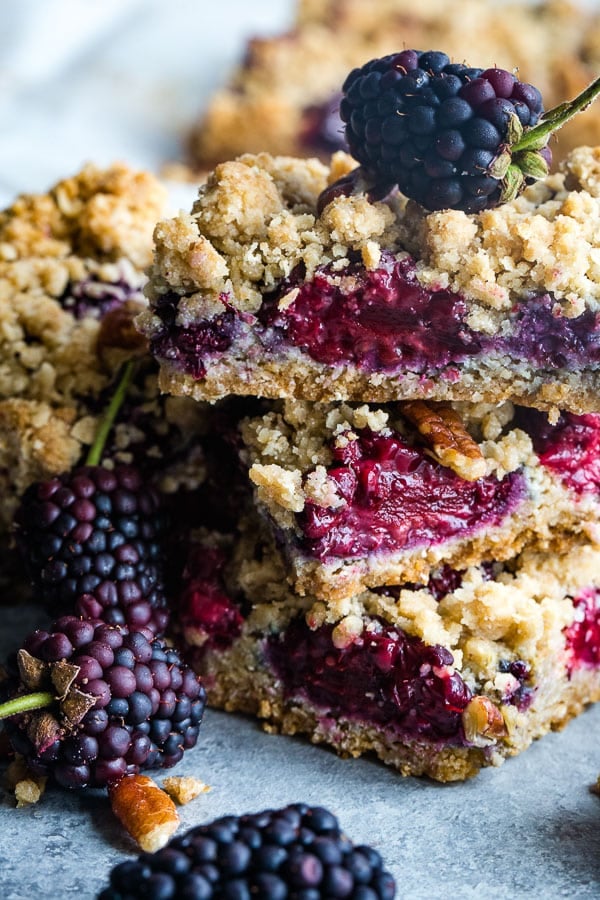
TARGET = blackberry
x,y
449,135
106,702
297,852
92,538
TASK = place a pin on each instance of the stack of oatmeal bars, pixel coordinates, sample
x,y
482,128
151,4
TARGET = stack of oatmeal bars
x,y
414,453
379,428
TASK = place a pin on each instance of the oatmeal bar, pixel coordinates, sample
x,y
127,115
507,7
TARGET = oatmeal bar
x,y
438,679
255,293
284,97
72,269
360,497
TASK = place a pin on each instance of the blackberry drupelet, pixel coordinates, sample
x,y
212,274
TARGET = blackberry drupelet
x,y
297,852
91,539
450,136
106,702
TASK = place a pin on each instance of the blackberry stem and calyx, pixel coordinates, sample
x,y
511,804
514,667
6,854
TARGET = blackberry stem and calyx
x,y
536,138
522,158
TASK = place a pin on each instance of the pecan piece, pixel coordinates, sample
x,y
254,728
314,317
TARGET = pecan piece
x,y
446,436
145,810
483,722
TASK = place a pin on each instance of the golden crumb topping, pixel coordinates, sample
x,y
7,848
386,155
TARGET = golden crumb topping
x,y
256,220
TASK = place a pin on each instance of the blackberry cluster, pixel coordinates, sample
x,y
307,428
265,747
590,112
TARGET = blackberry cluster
x,y
126,703
295,853
91,539
436,128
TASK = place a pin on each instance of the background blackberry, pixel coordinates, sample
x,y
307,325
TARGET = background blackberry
x,y
298,853
91,540
110,702
436,128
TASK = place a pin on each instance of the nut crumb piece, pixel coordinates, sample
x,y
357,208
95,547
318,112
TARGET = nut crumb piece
x,y
483,722
184,788
445,433
145,810
28,788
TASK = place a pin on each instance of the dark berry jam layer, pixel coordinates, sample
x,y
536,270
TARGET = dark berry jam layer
x,y
521,694
93,297
552,342
570,448
398,498
385,320
583,636
207,614
441,582
384,677
190,348
380,319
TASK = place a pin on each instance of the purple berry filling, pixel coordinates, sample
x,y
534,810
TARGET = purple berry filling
x,y
207,614
94,297
583,636
396,498
189,347
522,694
446,580
571,448
385,677
380,319
441,582
553,342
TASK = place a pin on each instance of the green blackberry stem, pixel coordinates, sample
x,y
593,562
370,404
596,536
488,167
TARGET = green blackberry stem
x,y
522,157
97,449
26,703
536,138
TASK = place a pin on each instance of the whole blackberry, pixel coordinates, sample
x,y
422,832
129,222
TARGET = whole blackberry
x,y
92,702
298,853
450,136
91,540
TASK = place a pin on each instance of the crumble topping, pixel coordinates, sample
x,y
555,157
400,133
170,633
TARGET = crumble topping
x,y
96,226
103,213
184,788
518,615
255,221
287,444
